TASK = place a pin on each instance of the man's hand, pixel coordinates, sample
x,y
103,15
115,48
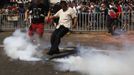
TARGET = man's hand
x,y
25,19
26,16
73,26
48,19
74,22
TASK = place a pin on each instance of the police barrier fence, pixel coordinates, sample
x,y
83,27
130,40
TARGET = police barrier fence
x,y
85,22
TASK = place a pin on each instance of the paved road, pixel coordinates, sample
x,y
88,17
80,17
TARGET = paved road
x,y
98,40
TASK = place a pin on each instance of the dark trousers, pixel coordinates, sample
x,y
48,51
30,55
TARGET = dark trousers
x,y
111,22
56,38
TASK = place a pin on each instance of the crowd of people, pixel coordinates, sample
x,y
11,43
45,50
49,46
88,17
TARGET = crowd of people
x,y
112,10
82,6
88,7
100,5
10,11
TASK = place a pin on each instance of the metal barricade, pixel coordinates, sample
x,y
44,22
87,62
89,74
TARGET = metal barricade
x,y
91,22
98,22
11,22
85,22
126,21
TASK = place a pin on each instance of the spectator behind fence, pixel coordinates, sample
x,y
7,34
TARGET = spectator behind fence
x,y
1,21
112,18
13,14
1,17
55,8
21,9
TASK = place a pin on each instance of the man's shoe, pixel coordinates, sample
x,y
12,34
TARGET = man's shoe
x,y
52,53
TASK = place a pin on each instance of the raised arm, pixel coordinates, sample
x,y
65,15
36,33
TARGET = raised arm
x,y
74,22
26,15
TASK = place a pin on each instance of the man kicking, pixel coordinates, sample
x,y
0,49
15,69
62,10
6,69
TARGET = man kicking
x,y
67,17
38,11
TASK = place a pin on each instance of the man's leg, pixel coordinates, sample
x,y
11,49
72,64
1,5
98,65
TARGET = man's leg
x,y
109,25
53,36
57,35
31,31
40,32
53,48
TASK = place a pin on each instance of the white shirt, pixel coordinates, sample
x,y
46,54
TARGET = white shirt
x,y
65,17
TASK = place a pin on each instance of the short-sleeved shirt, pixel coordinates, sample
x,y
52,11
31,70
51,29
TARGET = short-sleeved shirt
x,y
112,13
65,17
38,13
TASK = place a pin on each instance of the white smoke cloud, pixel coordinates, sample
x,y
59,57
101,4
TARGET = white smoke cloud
x,y
90,61
18,46
93,61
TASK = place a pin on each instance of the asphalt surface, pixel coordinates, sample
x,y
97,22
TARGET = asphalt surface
x,y
93,39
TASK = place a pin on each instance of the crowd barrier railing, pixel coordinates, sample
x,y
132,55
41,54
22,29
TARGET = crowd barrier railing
x,y
85,22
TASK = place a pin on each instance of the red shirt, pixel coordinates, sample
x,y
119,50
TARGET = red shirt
x,y
112,13
119,10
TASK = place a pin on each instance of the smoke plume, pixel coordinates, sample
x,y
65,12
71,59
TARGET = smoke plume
x,y
19,46
92,61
